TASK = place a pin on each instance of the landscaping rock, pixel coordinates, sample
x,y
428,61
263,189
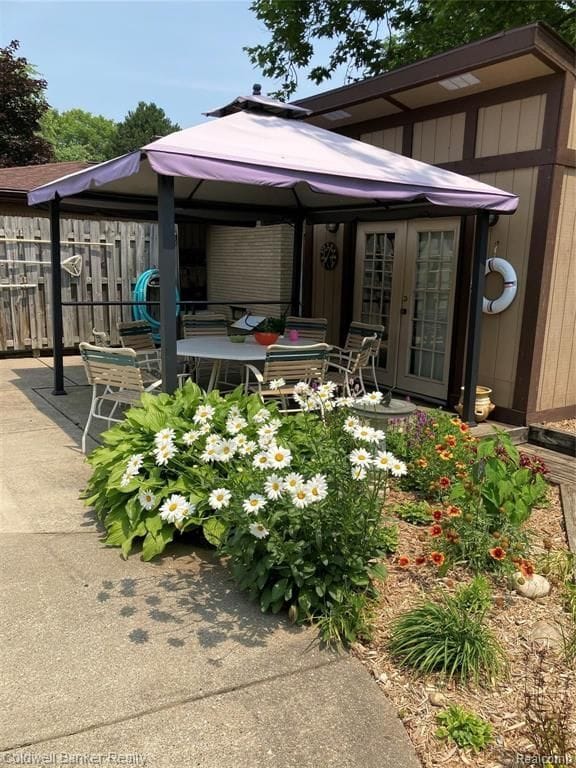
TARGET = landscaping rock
x,y
437,699
545,634
535,587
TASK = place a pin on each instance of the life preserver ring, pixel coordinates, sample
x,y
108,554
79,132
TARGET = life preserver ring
x,y
504,268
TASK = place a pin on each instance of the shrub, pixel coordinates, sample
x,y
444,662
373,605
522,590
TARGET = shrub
x,y
416,512
482,525
294,501
449,636
467,730
438,449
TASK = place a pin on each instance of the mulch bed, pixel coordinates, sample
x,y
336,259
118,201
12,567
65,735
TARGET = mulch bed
x,y
511,619
567,425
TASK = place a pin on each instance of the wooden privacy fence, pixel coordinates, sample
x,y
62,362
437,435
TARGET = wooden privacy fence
x,y
113,254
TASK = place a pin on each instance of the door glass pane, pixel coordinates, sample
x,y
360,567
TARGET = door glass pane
x,y
377,284
435,265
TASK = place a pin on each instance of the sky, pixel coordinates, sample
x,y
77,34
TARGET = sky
x,y
107,56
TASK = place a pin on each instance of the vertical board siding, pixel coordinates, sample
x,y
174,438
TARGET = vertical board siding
x,y
440,140
250,263
113,254
514,126
557,387
509,239
327,284
572,129
389,138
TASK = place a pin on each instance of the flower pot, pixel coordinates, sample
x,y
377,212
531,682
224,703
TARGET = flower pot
x,y
483,406
266,337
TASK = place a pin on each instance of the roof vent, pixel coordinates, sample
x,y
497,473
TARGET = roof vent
x,y
459,81
338,114
256,89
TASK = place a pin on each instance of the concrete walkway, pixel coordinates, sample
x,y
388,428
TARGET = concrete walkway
x,y
166,665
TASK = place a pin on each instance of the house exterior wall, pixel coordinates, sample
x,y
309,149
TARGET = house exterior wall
x,y
390,138
514,126
246,264
114,254
572,129
327,284
557,382
440,140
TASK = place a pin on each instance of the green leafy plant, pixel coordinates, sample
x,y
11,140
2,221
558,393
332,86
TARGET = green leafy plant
x,y
272,325
481,527
467,730
416,512
294,501
438,449
449,636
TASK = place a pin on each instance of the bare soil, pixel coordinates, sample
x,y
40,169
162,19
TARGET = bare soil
x,y
511,619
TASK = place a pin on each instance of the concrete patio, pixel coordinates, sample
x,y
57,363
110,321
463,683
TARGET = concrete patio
x,y
162,664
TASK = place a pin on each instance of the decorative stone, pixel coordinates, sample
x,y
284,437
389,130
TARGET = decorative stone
x,y
545,634
378,416
437,699
536,586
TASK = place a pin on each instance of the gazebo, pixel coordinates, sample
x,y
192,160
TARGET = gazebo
x,y
260,162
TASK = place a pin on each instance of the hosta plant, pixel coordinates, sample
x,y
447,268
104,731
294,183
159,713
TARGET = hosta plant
x,y
464,728
295,501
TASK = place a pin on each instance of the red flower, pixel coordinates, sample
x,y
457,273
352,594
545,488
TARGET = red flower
x,y
420,560
444,482
435,530
453,511
437,514
498,553
452,537
437,558
526,569
463,427
439,448
403,561
450,440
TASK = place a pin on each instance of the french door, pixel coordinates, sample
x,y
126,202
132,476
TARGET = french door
x,y
405,278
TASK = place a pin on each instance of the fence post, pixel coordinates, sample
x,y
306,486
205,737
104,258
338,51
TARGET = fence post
x,y
57,324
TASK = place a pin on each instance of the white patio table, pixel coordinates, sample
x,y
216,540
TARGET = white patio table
x,y
219,348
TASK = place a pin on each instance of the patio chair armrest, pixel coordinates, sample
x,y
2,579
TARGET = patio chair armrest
x,y
257,374
154,385
338,368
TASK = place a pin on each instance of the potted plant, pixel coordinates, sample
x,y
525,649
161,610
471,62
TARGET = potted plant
x,y
269,330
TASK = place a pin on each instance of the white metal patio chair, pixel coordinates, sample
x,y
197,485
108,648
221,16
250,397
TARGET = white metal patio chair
x,y
347,368
293,364
117,373
357,332
137,335
202,324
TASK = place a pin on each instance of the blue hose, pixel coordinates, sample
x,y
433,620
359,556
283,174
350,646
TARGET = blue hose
x,y
140,312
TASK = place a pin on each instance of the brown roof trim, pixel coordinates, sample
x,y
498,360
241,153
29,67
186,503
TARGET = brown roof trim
x,y
481,53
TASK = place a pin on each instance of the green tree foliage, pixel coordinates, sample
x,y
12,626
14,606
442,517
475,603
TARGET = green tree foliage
x,y
78,135
373,36
139,127
22,104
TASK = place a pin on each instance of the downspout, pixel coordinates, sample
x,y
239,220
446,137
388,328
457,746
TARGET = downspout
x,y
475,318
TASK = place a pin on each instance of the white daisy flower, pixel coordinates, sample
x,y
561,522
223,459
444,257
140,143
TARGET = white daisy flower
x,y
344,402
327,389
269,430
125,479
254,503
317,487
383,460
301,498
258,530
261,460
204,429
358,473
164,453
147,499
302,388
372,398
350,424
398,468
134,464
203,413
363,432
175,509
277,383
212,440
246,448
209,455
279,457
164,437
219,498
226,450
235,424
234,412
273,487
378,436
190,437
293,482
360,458
261,416
329,405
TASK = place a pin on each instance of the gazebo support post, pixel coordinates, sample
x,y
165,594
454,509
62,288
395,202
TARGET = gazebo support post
x,y
475,318
57,324
296,300
167,267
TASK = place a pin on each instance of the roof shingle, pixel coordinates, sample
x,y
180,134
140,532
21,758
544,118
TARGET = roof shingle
x,y
23,178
